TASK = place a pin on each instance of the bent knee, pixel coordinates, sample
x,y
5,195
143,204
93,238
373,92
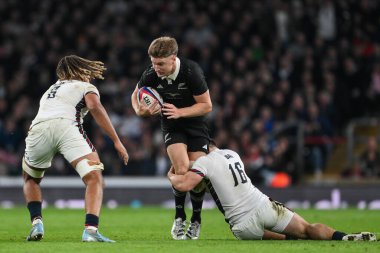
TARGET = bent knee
x,y
85,166
28,177
32,172
94,178
312,227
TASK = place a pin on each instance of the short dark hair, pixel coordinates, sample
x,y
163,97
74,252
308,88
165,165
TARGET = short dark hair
x,y
163,47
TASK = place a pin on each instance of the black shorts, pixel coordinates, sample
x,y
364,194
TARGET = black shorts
x,y
197,142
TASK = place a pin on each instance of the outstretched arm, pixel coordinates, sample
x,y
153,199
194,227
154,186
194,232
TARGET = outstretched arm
x,y
101,117
186,182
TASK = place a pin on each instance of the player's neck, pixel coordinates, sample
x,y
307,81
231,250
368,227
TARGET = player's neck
x,y
174,68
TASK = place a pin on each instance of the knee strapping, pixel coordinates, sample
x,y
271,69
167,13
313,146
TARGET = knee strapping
x,y
35,173
85,166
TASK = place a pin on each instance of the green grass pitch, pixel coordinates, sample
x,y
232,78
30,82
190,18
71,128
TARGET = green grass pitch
x,y
147,229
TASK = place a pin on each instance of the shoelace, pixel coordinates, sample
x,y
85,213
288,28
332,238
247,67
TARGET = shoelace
x,y
179,227
192,229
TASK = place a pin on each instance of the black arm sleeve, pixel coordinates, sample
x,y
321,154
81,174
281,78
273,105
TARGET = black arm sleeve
x,y
196,79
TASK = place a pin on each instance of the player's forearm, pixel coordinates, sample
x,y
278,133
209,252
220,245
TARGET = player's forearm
x,y
135,104
101,117
198,109
179,183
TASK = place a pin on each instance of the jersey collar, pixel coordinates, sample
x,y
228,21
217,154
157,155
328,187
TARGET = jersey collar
x,y
174,75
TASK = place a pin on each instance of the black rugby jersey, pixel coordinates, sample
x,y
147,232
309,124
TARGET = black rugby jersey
x,y
190,82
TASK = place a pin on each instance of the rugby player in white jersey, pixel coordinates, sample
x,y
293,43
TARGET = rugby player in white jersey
x,y
57,128
250,213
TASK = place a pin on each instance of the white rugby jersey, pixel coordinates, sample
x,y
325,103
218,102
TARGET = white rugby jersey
x,y
65,99
229,185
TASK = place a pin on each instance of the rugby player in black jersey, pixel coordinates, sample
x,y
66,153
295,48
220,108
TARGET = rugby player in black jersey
x,y
183,87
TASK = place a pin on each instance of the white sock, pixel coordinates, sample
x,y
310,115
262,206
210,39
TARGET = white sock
x,y
35,221
91,229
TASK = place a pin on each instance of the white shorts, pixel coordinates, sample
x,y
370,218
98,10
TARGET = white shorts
x,y
272,216
47,138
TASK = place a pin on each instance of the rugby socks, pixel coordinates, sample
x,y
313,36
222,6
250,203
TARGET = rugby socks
x,y
35,208
338,236
179,199
197,201
92,221
289,237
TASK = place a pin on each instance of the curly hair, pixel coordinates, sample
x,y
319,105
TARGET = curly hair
x,y
74,67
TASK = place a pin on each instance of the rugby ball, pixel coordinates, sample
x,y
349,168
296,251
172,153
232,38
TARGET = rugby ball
x,y
148,95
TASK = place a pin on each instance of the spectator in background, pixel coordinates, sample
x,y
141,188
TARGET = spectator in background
x,y
327,20
282,20
367,164
374,89
370,159
318,129
263,43
353,78
11,138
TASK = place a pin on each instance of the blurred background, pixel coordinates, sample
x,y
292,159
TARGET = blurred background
x,y
295,84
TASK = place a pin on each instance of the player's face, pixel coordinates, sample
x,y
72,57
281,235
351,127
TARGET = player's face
x,y
163,66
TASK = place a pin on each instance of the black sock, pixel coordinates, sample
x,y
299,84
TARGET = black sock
x,y
290,237
179,198
337,236
91,220
197,201
35,208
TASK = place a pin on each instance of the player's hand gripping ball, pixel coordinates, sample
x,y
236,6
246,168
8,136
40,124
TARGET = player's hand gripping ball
x,y
148,96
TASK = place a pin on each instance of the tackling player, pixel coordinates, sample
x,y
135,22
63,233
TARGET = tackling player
x,y
251,214
183,87
57,128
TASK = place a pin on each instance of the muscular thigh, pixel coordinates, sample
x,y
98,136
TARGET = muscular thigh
x,y
271,215
276,216
75,144
251,228
253,225
198,146
197,140
177,153
39,146
181,147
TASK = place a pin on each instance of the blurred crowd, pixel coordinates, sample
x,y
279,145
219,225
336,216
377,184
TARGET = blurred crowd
x,y
271,66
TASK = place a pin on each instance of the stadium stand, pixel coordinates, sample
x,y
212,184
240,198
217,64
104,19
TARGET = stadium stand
x,y
286,77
